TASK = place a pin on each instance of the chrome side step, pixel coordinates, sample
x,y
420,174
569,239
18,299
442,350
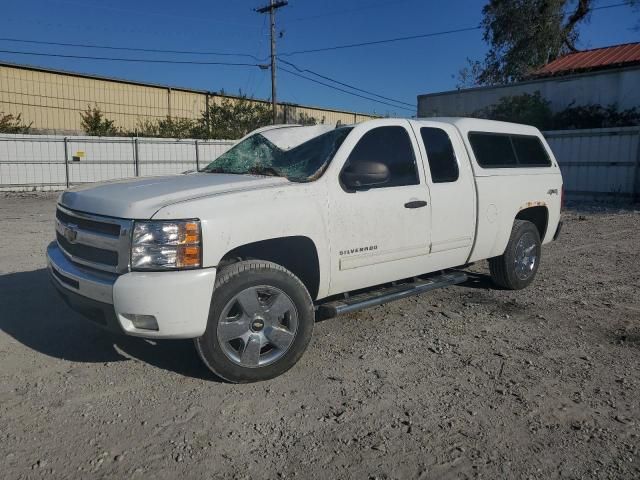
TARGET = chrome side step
x,y
371,298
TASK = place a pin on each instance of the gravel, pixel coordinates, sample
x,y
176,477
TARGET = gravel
x,y
466,382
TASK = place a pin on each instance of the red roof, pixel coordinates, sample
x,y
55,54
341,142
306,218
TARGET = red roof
x,y
598,58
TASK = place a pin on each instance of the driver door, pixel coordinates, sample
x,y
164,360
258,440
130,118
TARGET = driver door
x,y
381,233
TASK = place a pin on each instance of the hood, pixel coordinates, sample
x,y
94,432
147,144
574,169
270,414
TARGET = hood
x,y
142,197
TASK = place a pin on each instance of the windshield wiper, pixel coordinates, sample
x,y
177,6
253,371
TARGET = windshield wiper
x,y
255,170
260,170
221,170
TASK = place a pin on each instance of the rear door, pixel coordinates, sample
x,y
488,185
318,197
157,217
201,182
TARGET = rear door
x,y
453,200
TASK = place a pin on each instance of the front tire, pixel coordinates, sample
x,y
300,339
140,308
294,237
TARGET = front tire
x,y
260,322
517,267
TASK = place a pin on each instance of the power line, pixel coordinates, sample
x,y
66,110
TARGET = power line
x,y
345,84
254,57
252,73
348,10
147,13
76,27
613,5
271,10
343,90
132,49
414,37
135,60
378,42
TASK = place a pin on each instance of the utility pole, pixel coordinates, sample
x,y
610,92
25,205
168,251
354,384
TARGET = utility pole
x,y
271,8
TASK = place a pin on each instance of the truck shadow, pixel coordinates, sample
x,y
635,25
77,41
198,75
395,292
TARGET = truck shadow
x,y
32,313
479,281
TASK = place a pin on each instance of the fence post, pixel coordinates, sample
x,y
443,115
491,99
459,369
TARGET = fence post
x,y
136,162
635,197
66,161
197,157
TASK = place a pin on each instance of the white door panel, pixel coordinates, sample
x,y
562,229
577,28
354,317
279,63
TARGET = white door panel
x,y
380,234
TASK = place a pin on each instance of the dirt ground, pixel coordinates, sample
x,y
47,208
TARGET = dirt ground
x,y
467,382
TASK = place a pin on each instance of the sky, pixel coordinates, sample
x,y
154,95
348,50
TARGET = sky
x,y
400,70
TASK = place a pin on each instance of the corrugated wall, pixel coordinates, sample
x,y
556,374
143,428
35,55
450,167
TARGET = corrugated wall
x,y
53,162
608,87
52,102
598,164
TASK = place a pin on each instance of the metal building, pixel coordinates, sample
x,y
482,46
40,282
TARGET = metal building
x,y
52,100
602,76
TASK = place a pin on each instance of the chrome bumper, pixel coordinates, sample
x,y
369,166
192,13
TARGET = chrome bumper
x,y
88,283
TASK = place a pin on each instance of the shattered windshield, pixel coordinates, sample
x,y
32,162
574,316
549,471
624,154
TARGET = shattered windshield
x,y
257,155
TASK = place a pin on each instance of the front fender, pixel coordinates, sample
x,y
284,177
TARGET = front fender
x,y
235,219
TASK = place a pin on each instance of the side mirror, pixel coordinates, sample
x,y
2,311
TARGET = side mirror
x,y
365,174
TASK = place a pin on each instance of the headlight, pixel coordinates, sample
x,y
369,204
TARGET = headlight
x,y
166,245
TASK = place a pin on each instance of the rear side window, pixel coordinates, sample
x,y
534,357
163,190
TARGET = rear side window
x,y
391,146
492,150
440,154
495,150
530,151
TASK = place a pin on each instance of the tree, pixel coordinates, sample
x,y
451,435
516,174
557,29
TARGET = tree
x,y
13,124
94,123
636,5
524,35
233,118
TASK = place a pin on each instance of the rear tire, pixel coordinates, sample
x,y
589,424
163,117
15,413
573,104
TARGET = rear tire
x,y
517,267
260,322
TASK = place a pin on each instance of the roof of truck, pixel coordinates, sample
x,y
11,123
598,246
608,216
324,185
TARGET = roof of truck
x,y
464,124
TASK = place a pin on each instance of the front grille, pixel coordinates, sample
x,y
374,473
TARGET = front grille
x,y
89,225
85,252
94,241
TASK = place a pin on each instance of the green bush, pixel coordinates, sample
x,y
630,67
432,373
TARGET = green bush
x,y
228,119
233,118
95,124
595,116
533,109
530,109
304,119
165,128
13,124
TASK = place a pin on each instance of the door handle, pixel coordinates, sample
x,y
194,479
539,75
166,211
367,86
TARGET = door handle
x,y
415,204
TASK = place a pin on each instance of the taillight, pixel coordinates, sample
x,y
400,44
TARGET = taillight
x,y
562,197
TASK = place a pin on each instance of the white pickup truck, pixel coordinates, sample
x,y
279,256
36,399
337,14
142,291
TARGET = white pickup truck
x,y
297,221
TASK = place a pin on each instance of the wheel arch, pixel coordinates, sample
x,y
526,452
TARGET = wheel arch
x,y
538,215
298,254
